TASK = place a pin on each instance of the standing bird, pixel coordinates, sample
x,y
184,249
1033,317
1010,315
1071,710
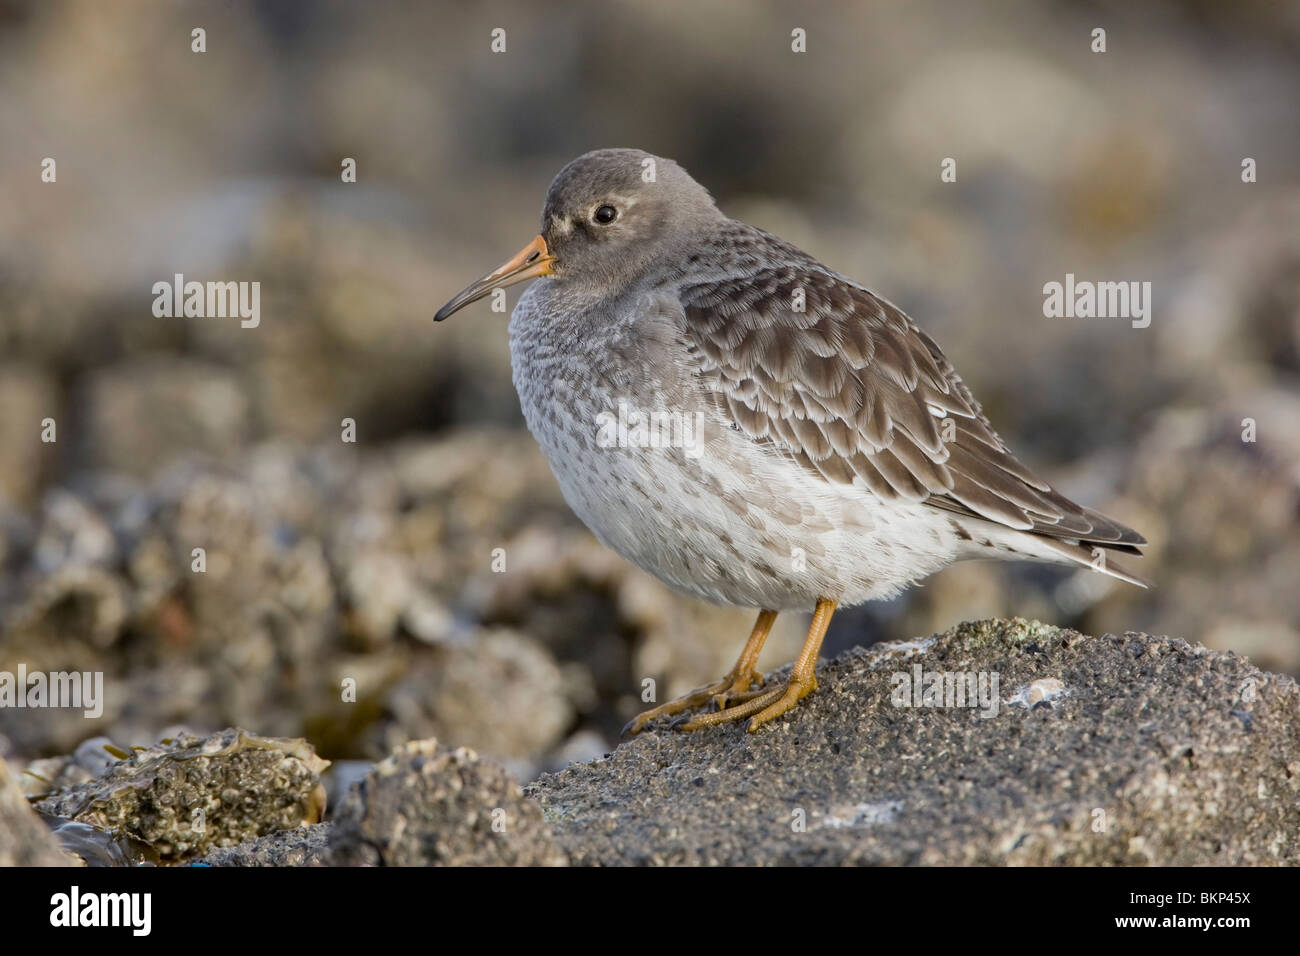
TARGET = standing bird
x,y
823,450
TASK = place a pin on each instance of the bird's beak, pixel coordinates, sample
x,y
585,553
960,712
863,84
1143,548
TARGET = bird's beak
x,y
531,261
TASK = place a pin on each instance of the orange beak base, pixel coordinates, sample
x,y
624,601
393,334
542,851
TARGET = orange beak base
x,y
532,260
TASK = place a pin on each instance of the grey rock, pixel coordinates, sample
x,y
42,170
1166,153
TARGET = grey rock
x,y
95,846
144,413
427,805
326,572
24,839
48,774
301,846
28,396
1126,749
503,694
1227,529
265,639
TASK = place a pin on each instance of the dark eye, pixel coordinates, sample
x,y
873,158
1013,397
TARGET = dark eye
x,y
605,215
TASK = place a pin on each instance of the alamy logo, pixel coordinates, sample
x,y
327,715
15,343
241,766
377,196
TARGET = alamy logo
x,y
209,300
74,908
38,689
1083,299
634,428
922,688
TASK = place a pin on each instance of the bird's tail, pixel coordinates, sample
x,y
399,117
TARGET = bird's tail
x,y
1014,544
1093,554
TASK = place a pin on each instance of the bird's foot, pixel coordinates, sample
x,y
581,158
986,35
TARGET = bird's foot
x,y
759,708
735,687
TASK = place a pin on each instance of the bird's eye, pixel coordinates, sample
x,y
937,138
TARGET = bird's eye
x,y
605,215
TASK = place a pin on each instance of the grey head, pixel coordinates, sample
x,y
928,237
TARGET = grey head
x,y
611,216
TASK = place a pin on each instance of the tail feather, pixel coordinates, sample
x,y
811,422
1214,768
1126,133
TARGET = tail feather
x,y
987,539
1092,555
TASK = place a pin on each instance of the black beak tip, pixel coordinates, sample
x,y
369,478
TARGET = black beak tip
x,y
441,314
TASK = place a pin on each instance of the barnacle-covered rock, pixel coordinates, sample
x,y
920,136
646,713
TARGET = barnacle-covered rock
x,y
426,805
303,846
189,795
46,775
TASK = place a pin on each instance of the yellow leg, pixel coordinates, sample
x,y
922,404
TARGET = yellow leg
x,y
732,687
774,703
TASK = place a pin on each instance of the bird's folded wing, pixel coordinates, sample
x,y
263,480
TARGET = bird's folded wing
x,y
848,386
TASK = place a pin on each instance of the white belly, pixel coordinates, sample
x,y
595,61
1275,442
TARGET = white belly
x,y
713,514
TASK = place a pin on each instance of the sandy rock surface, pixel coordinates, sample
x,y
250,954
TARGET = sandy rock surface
x,y
1104,750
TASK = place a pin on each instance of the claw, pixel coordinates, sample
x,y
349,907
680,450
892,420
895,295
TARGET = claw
x,y
751,706
718,690
734,686
695,698
763,706
794,692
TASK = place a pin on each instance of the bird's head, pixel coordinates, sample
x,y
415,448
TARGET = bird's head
x,y
609,215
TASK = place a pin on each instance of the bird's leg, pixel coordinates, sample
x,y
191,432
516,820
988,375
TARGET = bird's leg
x,y
802,682
744,674
738,680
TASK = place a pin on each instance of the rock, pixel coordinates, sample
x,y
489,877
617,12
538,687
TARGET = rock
x,y
1069,750
95,846
1125,749
143,414
188,796
68,623
426,805
301,846
364,597
91,758
24,839
28,397
322,553
502,694
617,624
1224,535
357,600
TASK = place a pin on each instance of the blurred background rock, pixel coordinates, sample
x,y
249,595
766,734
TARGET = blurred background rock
x,y
373,561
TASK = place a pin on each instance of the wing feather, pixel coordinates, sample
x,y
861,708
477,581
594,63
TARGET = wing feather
x,y
850,388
